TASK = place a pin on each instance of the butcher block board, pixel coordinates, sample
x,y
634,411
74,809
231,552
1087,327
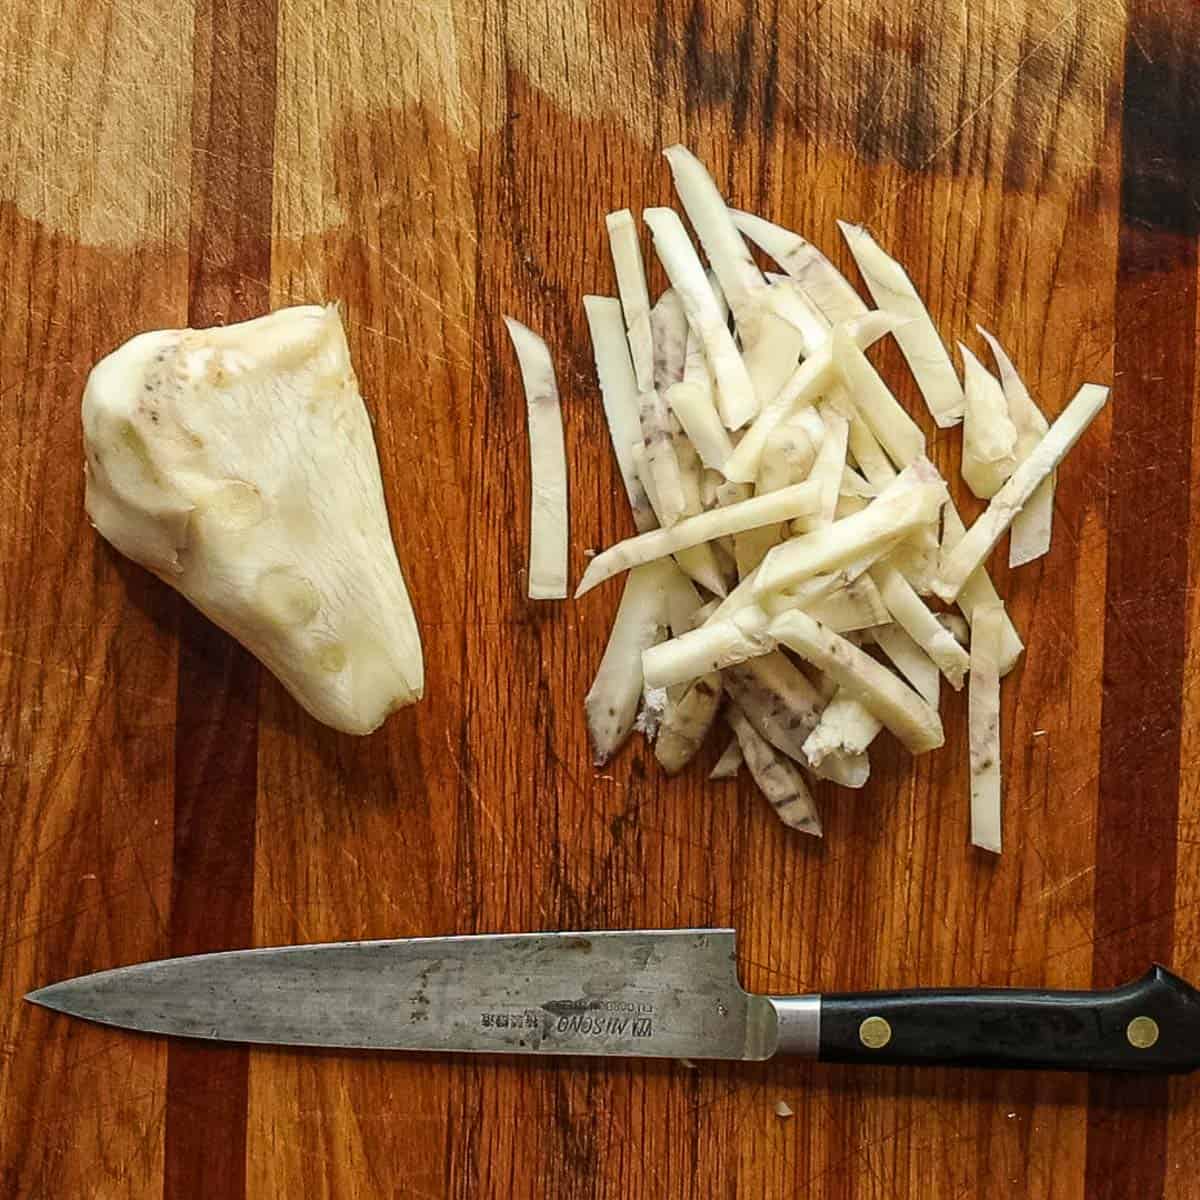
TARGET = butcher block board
x,y
433,164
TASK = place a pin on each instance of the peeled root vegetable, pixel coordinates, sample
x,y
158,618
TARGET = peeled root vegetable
x,y
238,464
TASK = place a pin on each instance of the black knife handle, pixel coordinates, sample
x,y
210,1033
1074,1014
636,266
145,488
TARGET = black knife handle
x,y
1151,1024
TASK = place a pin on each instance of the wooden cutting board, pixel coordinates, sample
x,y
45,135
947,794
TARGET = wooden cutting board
x,y
433,165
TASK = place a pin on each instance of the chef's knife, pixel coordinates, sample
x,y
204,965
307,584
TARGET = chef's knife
x,y
644,993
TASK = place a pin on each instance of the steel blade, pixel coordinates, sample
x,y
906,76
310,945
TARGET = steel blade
x,y
645,993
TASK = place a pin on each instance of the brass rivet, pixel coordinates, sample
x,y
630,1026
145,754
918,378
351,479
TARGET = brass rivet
x,y
875,1033
1142,1032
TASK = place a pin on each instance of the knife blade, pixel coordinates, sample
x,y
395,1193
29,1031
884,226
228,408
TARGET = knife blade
x,y
635,993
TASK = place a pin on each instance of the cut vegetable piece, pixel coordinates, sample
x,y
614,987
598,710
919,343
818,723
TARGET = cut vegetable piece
x,y
900,708
829,289
893,291
989,436
730,762
808,381
791,450
958,627
979,590
858,605
751,547
779,780
912,499
741,280
661,459
1033,525
984,725
692,531
548,535
668,335
869,455
917,556
969,554
698,561
894,429
788,301
685,725
830,463
736,399
238,464
618,389
911,661
846,727
635,298
682,600
921,625
713,647
612,701
693,406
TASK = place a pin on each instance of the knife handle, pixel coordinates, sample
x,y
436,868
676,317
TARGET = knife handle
x,y
1151,1024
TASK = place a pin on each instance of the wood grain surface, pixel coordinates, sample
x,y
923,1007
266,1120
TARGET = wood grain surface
x,y
433,164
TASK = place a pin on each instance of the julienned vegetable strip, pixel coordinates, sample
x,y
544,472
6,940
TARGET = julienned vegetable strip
x,y
548,531
970,553
984,725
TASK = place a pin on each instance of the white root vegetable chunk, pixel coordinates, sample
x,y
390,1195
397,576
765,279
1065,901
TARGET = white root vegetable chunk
x,y
618,390
846,727
1033,525
736,400
828,288
910,613
791,450
989,453
612,701
868,454
893,291
810,379
830,464
699,562
898,434
859,605
914,498
779,780
977,544
784,707
796,501
714,646
685,725
979,590
668,335
683,603
910,660
983,720
730,762
238,464
900,708
548,518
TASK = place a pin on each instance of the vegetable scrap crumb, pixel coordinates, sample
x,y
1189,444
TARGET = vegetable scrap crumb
x,y
1039,733
687,1062
783,1110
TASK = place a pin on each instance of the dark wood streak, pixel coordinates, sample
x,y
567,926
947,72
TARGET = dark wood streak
x,y
1146,601
216,738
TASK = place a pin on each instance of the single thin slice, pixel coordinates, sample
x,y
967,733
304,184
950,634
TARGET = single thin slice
x,y
910,613
898,434
700,562
916,557
846,727
989,453
791,450
920,344
692,404
713,647
547,464
796,501
983,720
668,335
979,590
830,463
752,546
661,459
810,379
618,390
778,779
900,708
641,620
828,288
788,301
958,627
685,725
741,280
914,498
683,602
730,762
974,548
1033,525
910,660
736,400
635,297
868,453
